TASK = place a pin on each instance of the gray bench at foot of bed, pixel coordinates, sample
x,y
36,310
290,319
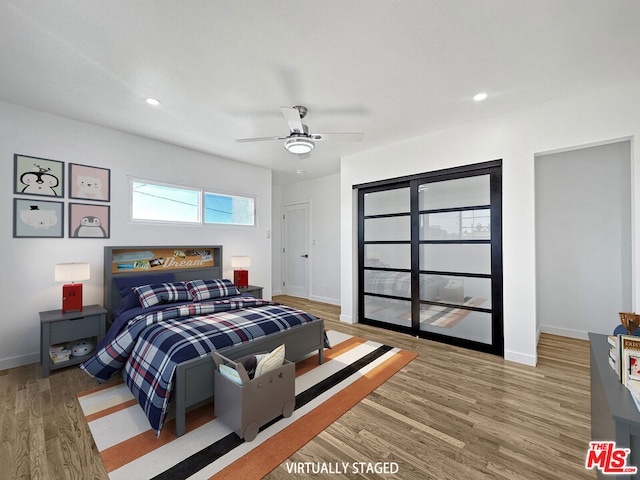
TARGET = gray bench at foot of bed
x,y
194,378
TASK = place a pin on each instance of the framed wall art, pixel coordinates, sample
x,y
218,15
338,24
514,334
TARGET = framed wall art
x,y
89,221
38,176
89,183
37,218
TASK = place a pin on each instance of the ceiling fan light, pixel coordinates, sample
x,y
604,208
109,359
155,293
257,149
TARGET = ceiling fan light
x,y
299,145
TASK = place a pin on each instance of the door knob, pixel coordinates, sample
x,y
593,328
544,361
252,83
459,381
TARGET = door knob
x,y
305,256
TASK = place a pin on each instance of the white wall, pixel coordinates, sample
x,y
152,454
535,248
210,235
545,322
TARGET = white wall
x,y
27,282
323,196
516,138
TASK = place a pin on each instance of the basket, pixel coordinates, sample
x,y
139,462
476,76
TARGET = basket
x,y
630,321
247,407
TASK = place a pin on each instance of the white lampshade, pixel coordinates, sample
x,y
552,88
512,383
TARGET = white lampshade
x,y
241,262
72,272
299,145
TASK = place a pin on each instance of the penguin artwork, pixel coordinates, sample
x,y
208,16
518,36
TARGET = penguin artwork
x,y
90,226
40,182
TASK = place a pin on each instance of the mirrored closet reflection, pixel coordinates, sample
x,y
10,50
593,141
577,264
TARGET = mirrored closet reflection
x,y
430,255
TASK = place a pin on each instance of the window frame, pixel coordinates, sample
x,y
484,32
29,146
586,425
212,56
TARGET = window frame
x,y
201,204
232,195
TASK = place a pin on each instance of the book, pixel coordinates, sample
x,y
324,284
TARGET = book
x,y
614,353
59,355
624,358
629,355
60,359
57,348
634,388
634,366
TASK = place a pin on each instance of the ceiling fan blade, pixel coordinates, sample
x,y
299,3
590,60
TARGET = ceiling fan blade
x,y
292,116
258,139
343,137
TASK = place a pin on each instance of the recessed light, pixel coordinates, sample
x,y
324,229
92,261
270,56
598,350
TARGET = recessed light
x,y
480,97
299,172
153,101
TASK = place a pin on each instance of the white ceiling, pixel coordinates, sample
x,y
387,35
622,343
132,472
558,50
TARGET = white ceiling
x,y
389,69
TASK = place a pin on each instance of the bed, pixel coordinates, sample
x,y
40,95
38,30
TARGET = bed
x,y
143,317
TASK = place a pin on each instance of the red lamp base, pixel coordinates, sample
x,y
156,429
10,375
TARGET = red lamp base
x,y
241,278
72,297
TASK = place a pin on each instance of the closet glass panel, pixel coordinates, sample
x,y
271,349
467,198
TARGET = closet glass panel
x,y
387,202
461,192
387,256
456,290
387,228
388,310
456,225
455,257
456,322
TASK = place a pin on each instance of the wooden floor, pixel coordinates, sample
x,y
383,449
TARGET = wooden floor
x,y
449,414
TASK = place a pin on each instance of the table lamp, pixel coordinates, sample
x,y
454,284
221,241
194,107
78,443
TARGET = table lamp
x,y
240,274
72,292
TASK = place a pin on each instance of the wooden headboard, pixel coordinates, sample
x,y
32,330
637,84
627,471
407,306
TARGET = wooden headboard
x,y
191,262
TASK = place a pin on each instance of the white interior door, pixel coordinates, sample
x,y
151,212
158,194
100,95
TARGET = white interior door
x,y
296,249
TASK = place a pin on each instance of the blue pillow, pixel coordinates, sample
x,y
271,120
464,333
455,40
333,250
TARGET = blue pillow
x,y
159,293
128,298
210,289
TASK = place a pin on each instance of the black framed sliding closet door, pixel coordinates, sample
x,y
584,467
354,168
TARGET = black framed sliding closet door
x,y
430,255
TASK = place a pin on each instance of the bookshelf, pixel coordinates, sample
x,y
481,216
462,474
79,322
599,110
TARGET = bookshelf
x,y
614,416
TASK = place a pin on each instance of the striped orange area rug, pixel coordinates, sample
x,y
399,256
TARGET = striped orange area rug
x,y
209,449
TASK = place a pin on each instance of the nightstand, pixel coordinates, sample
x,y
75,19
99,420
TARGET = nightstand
x,y
59,328
252,290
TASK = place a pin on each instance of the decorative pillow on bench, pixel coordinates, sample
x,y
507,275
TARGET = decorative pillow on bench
x,y
270,361
255,365
231,373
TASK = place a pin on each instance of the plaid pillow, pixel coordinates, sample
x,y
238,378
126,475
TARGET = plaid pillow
x,y
208,289
158,293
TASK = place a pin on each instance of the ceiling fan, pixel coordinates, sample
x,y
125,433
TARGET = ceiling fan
x,y
299,141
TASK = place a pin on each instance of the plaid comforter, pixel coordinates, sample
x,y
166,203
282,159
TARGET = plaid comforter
x,y
150,346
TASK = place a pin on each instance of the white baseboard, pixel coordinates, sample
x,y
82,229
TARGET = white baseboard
x,y
521,358
276,292
331,301
564,332
6,363
347,319
532,359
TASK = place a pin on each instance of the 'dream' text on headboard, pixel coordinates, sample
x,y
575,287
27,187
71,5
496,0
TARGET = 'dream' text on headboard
x,y
131,260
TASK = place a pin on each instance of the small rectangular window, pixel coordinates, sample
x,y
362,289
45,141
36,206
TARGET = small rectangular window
x,y
164,203
228,209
